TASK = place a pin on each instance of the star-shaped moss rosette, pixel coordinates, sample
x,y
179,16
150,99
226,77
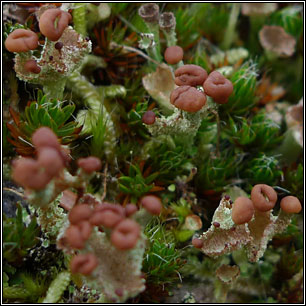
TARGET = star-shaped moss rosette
x,y
42,112
122,61
224,236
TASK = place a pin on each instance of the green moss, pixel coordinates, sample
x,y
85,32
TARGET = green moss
x,y
19,235
162,261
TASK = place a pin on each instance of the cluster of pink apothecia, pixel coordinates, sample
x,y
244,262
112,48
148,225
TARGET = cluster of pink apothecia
x,y
187,96
51,160
52,24
36,174
263,199
115,219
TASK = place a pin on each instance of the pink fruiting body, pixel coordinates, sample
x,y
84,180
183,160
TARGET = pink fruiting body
x,y
218,87
188,98
79,213
125,235
74,237
84,263
264,197
21,40
291,205
197,243
45,137
90,164
28,173
243,210
148,117
85,229
130,209
192,75
47,23
107,218
108,215
31,66
173,55
152,204
50,160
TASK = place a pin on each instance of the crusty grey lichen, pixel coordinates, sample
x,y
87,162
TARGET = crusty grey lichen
x,y
254,236
179,123
227,237
51,219
56,65
182,125
118,275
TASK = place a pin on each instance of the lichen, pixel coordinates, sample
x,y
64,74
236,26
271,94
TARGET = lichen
x,y
254,236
